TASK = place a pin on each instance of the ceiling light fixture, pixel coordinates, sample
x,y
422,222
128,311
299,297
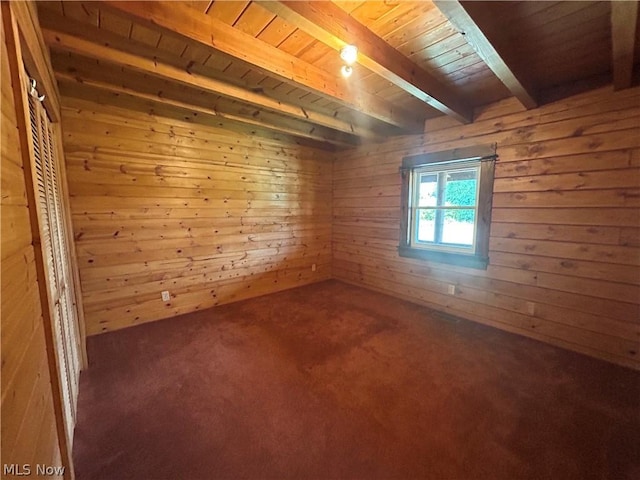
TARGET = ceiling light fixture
x,y
349,54
346,71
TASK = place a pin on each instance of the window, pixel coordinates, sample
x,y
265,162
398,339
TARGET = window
x,y
446,211
45,158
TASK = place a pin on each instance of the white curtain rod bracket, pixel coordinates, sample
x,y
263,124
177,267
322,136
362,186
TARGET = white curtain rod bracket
x,y
33,91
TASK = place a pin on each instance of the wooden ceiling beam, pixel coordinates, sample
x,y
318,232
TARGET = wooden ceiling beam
x,y
334,27
205,30
73,44
624,24
461,18
37,64
311,133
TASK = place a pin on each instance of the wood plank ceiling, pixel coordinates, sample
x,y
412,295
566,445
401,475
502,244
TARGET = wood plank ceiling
x,y
272,68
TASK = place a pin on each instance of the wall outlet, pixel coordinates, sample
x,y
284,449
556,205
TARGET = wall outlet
x,y
165,296
531,308
451,289
313,267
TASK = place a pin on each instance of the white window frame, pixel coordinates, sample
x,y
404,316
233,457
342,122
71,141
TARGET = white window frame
x,y
442,170
477,256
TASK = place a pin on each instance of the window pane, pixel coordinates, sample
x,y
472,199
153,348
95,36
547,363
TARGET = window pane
x,y
458,226
460,189
427,190
425,225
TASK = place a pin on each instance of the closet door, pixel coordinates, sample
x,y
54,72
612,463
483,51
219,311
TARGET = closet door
x,y
55,247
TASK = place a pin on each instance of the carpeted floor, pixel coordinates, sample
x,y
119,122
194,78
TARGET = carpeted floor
x,y
332,381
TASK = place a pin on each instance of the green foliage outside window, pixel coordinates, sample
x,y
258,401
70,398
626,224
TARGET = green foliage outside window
x,y
459,193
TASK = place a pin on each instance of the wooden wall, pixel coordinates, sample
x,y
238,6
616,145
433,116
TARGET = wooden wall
x,y
565,234
210,215
28,422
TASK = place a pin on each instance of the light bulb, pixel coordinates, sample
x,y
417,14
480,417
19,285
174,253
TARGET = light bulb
x,y
349,54
346,71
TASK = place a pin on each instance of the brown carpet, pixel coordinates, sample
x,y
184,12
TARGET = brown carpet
x,y
332,381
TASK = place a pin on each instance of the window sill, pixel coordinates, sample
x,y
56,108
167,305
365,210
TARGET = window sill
x,y
459,259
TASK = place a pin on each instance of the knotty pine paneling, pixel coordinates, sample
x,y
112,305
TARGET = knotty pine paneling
x,y
564,251
207,214
28,426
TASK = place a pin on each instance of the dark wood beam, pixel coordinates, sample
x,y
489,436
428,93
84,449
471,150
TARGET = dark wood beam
x,y
312,132
624,24
461,18
334,27
36,63
201,29
69,43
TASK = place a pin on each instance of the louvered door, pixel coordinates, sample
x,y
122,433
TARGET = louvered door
x,y
56,251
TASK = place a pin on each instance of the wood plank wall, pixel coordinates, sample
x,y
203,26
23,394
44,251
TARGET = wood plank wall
x,y
565,234
210,215
28,422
